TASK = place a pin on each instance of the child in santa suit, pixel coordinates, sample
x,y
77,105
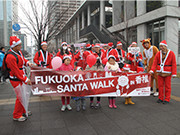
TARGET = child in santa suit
x,y
135,59
98,66
80,101
165,66
149,54
66,66
112,65
126,69
42,57
15,62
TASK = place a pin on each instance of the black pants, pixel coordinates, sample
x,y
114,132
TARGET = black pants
x,y
1,76
92,98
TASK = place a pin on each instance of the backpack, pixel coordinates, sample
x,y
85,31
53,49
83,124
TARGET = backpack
x,y
5,69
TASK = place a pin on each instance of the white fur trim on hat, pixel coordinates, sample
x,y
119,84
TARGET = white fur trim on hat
x,y
15,43
163,44
111,56
65,57
44,43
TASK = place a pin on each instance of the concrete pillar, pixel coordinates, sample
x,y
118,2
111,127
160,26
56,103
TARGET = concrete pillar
x,y
141,29
117,12
88,15
78,28
75,29
102,13
82,20
171,34
129,9
5,24
171,2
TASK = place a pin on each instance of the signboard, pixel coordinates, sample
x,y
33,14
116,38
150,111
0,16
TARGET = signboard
x,y
133,50
16,27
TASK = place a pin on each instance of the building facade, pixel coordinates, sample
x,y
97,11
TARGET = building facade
x,y
102,21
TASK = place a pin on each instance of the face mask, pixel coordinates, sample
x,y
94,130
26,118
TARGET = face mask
x,y
64,47
69,49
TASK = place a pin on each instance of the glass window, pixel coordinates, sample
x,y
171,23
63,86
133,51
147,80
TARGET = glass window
x,y
155,31
152,5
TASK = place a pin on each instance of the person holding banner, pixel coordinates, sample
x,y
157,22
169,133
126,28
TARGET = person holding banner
x,y
87,52
126,69
14,62
78,57
111,51
121,54
42,57
112,65
66,66
98,66
149,54
165,66
135,59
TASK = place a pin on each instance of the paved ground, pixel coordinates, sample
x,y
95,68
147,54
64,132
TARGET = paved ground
x,y
146,117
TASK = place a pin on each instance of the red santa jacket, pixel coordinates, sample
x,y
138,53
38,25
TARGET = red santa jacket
x,y
102,55
39,57
17,70
137,58
122,54
112,52
167,66
78,57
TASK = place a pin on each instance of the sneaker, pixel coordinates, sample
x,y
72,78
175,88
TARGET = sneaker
x,y
152,92
110,106
69,107
91,105
29,114
165,102
159,101
78,108
21,119
98,105
156,94
63,108
84,107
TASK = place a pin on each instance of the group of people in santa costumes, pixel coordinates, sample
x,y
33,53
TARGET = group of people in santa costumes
x,y
160,64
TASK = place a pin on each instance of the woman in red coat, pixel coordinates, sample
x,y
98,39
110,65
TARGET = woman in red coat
x,y
64,51
42,57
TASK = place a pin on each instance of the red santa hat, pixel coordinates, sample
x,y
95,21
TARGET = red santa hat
x,y
134,43
78,68
163,43
63,43
67,57
111,56
43,43
110,44
97,45
88,45
119,43
126,67
14,41
68,46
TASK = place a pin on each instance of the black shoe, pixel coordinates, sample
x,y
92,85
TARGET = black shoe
x,y
91,105
159,101
165,102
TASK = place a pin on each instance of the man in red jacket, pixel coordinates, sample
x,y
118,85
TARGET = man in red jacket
x,y
42,57
15,63
165,66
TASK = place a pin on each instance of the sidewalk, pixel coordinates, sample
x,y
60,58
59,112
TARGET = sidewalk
x,y
146,117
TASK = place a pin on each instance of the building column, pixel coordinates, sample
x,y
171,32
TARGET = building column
x,y
5,23
88,15
141,29
102,14
82,20
75,29
78,28
117,8
171,34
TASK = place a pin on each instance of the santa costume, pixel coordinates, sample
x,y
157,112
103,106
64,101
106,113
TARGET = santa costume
x,y
149,55
16,63
43,58
165,66
134,59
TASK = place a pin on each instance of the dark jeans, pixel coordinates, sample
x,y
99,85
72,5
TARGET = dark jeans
x,y
1,76
92,98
